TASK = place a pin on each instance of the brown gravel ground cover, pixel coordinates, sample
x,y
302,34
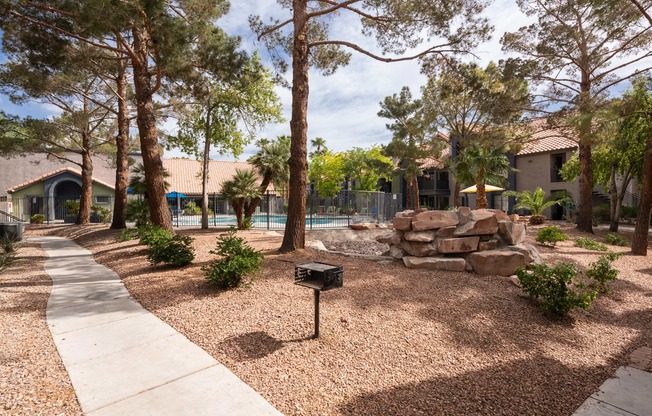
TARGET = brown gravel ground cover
x,y
393,341
33,380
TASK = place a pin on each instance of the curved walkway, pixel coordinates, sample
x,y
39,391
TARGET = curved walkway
x,y
123,360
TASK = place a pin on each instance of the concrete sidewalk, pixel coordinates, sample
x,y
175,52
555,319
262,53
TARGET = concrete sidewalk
x,y
123,360
629,393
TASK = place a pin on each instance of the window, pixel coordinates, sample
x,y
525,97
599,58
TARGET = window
x,y
103,199
3,198
557,160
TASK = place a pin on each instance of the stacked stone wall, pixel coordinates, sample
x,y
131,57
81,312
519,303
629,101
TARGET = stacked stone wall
x,y
486,241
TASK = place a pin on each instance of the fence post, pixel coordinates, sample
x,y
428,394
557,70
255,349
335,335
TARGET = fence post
x,y
267,210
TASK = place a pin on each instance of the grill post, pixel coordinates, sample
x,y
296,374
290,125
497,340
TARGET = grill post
x,y
316,313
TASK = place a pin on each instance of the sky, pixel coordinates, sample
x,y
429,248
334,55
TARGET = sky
x,y
342,107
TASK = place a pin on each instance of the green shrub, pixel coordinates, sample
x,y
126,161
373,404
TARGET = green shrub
x,y
601,213
152,235
616,240
177,251
555,288
550,235
7,252
602,271
192,208
37,219
103,214
238,259
8,244
138,210
590,244
72,207
628,213
128,234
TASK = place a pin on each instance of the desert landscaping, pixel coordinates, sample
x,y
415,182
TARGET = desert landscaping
x,y
393,340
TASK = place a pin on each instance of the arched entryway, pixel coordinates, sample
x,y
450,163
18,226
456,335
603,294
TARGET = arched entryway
x,y
63,191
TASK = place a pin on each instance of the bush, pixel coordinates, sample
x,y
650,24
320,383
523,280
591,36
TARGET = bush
x,y
537,219
152,235
628,213
192,208
601,213
590,244
238,259
616,240
602,272
177,251
555,287
138,210
72,207
7,252
550,235
37,219
128,234
103,214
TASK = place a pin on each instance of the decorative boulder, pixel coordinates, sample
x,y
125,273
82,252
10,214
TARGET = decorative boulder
x,y
457,245
430,220
419,236
396,251
419,249
402,223
512,233
500,215
389,238
488,245
446,231
529,251
463,214
480,222
496,262
435,263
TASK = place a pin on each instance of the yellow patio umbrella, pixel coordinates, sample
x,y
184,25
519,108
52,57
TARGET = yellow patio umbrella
x,y
487,188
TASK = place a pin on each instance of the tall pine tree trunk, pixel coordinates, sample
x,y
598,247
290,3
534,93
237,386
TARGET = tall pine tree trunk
x,y
585,214
146,120
204,174
295,229
122,151
86,197
639,242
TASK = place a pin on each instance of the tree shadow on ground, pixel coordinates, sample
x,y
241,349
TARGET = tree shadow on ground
x,y
507,388
254,345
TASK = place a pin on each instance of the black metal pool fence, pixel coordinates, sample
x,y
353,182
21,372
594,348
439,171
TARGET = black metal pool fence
x,y
322,211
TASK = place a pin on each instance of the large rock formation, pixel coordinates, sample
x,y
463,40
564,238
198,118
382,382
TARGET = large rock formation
x,y
486,241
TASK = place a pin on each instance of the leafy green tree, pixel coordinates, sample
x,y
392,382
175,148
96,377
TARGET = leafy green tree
x,y
271,162
80,129
161,41
397,25
639,242
326,173
226,113
414,138
483,165
536,201
240,191
365,167
578,50
475,104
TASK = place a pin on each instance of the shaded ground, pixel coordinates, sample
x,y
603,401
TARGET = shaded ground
x,y
394,341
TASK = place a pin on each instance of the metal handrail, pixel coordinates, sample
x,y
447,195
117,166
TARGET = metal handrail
x,y
10,216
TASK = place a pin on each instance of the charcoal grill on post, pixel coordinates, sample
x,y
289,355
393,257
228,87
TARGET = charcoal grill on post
x,y
319,277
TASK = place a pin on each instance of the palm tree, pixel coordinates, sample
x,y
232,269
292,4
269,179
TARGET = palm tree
x,y
240,190
320,144
481,165
271,162
138,184
536,202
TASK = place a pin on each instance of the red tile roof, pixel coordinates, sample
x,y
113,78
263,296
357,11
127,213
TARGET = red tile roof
x,y
54,173
436,163
545,139
185,174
